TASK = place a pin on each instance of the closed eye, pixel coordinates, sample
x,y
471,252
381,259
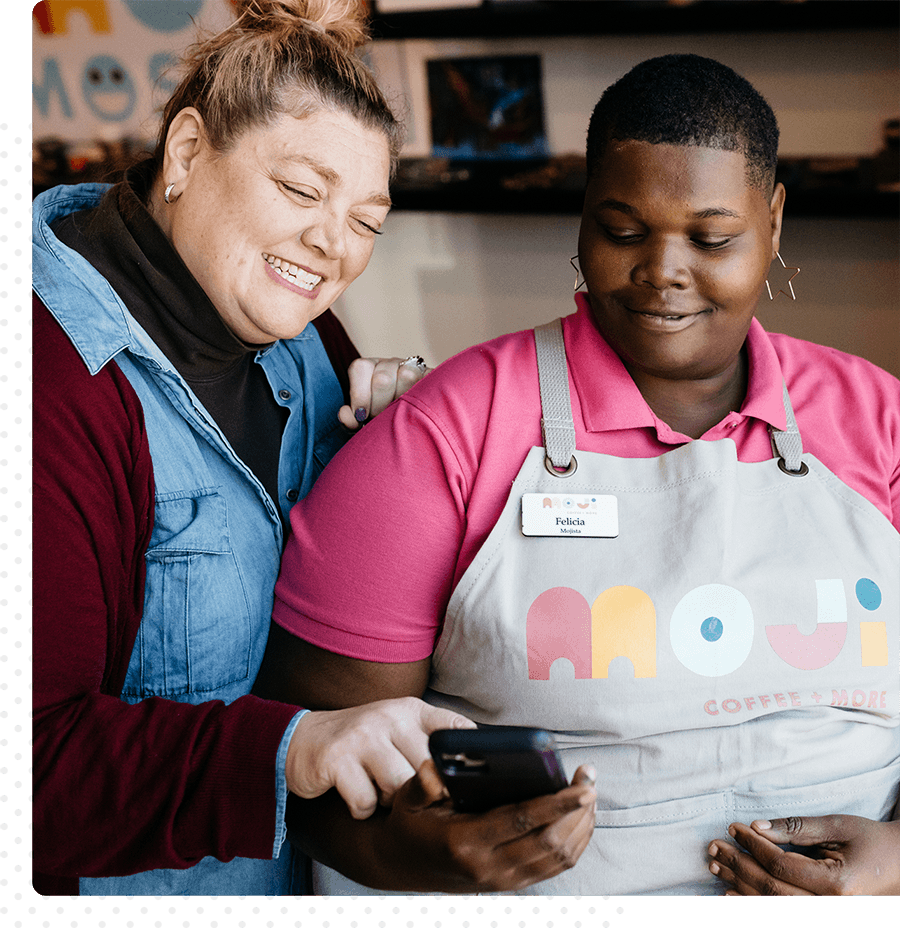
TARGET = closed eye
x,y
296,192
621,237
369,227
711,244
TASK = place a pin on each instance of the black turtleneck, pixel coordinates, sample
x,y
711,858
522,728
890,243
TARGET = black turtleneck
x,y
124,243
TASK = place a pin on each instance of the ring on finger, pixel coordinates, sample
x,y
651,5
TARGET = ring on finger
x,y
416,361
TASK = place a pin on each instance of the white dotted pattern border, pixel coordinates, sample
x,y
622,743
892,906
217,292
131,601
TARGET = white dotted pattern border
x,y
15,677
324,912
15,454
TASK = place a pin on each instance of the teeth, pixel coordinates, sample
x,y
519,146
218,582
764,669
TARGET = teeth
x,y
293,274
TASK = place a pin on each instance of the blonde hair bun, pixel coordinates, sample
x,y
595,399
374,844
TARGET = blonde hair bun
x,y
280,56
344,21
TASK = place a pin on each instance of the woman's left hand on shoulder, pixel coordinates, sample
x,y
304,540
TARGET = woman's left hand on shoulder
x,y
854,856
375,383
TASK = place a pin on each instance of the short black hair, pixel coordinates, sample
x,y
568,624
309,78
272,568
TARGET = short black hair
x,y
688,100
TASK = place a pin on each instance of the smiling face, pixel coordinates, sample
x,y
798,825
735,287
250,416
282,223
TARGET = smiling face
x,y
674,247
275,229
108,89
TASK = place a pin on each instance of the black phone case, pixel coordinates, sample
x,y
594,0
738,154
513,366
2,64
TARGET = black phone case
x,y
488,767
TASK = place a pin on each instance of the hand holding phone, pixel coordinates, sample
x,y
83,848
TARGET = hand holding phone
x,y
488,767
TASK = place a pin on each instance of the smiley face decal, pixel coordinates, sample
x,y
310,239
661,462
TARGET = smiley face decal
x,y
108,89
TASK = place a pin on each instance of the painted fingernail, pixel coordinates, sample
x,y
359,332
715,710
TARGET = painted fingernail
x,y
361,414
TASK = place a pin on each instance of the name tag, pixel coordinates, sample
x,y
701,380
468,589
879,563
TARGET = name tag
x,y
587,516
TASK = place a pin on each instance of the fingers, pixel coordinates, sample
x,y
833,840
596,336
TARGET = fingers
x,y
427,788
356,750
513,821
567,839
405,725
374,384
765,869
411,739
501,850
410,372
550,838
357,790
367,752
745,877
385,383
585,774
388,770
433,719
393,740
347,418
800,831
360,375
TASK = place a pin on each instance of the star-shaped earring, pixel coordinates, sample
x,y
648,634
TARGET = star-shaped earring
x,y
790,289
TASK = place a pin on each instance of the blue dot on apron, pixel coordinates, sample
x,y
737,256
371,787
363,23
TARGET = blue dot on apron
x,y
868,594
712,628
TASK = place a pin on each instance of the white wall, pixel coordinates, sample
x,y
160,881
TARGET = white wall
x,y
440,282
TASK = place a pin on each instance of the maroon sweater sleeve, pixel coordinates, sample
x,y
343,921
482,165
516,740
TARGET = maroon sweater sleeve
x,y
120,788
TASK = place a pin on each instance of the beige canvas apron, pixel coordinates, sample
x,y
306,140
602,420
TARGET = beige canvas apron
x,y
732,654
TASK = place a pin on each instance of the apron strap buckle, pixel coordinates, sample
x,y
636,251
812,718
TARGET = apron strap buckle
x,y
569,470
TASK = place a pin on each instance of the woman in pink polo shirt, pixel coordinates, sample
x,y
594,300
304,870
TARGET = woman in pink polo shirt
x,y
650,527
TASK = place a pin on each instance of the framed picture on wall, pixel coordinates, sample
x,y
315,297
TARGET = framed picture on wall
x,y
487,108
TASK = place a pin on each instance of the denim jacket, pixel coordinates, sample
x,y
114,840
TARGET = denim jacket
x,y
214,554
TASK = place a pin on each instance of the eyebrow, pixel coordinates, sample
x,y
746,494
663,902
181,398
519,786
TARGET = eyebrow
x,y
710,212
714,211
329,175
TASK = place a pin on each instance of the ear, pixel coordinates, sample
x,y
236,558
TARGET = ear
x,y
776,209
185,140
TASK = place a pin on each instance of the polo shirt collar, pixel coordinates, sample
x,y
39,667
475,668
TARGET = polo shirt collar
x,y
611,401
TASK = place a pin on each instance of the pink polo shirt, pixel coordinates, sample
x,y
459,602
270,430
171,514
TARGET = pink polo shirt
x,y
399,514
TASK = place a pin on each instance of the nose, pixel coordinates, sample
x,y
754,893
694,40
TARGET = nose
x,y
326,234
661,264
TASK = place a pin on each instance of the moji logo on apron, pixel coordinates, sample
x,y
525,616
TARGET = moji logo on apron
x,y
711,630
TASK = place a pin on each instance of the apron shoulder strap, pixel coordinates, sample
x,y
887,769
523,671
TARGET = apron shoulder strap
x,y
557,426
787,445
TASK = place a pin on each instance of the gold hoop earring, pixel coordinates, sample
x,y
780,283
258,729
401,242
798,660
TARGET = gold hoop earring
x,y
790,288
577,272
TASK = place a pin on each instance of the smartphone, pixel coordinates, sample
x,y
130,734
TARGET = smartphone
x,y
487,767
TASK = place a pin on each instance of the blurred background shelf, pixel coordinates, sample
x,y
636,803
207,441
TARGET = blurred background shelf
x,y
816,187
510,18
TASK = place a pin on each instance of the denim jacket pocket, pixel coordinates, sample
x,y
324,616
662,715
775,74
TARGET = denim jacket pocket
x,y
195,634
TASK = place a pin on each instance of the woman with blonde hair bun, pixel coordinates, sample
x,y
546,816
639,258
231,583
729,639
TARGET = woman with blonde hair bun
x,y
183,402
